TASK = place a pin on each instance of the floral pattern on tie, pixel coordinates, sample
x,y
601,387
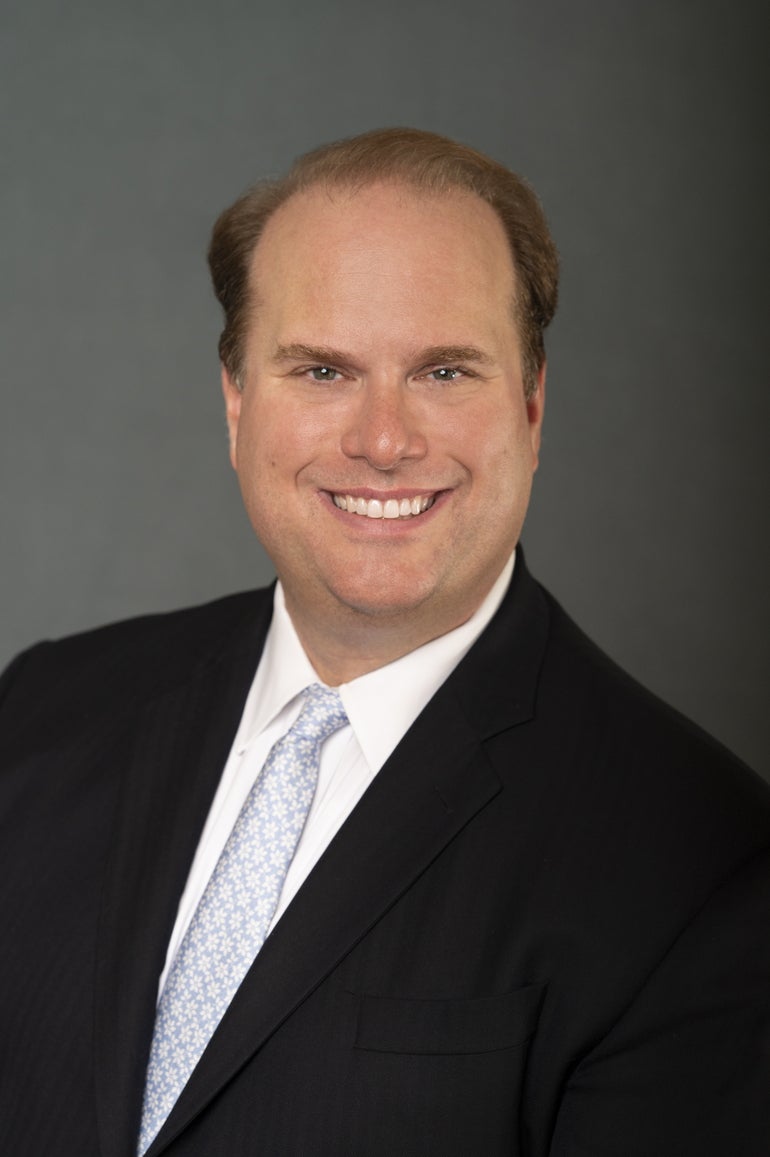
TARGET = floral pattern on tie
x,y
230,924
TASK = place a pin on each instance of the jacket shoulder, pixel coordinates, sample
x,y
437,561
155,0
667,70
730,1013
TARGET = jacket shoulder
x,y
140,656
636,763
611,700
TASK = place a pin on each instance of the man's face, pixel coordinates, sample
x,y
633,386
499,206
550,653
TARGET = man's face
x,y
383,376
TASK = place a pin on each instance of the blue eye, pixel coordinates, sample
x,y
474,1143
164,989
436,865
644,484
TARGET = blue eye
x,y
323,374
446,373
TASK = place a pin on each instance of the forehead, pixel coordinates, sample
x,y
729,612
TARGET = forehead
x,y
384,232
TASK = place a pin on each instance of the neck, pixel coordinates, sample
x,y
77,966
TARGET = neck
x,y
347,644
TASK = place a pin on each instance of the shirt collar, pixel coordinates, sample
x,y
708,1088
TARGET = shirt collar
x,y
381,705
283,672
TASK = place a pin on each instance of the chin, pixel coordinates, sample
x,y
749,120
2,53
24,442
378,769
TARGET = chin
x,y
379,608
383,598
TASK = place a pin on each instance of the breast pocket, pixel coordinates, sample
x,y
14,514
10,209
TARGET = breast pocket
x,y
440,1076
448,1026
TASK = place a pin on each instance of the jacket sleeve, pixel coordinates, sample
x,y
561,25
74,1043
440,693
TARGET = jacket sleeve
x,y
685,1071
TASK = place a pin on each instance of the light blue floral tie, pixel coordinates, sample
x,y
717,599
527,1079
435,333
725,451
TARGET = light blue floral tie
x,y
230,924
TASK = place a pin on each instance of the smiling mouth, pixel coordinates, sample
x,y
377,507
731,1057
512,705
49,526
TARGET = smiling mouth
x,y
389,508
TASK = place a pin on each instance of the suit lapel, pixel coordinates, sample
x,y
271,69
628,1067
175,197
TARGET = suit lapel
x,y
173,749
435,782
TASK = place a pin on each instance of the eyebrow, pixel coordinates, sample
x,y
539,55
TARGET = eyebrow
x,y
325,355
455,353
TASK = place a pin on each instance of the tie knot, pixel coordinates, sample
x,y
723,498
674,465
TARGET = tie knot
x,y
322,713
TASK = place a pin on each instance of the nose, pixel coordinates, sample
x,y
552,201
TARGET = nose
x,y
384,427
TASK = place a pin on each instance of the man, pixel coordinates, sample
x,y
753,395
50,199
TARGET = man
x,y
527,911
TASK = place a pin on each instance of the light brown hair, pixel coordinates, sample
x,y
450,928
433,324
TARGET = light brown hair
x,y
424,161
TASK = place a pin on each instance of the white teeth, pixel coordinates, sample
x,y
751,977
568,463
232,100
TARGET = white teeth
x,y
390,508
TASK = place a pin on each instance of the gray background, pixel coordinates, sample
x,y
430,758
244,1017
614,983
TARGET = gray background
x,y
127,127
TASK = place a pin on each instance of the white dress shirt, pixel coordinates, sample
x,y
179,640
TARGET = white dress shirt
x,y
381,707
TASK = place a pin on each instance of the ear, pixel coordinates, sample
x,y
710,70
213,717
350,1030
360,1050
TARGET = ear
x,y
233,398
535,412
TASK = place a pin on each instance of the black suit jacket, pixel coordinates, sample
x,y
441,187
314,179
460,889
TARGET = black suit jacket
x,y
544,930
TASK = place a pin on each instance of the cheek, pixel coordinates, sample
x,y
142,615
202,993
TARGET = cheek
x,y
259,445
278,434
274,449
503,469
494,449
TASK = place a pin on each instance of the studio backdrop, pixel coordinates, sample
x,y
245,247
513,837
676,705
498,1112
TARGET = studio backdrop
x,y
126,127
